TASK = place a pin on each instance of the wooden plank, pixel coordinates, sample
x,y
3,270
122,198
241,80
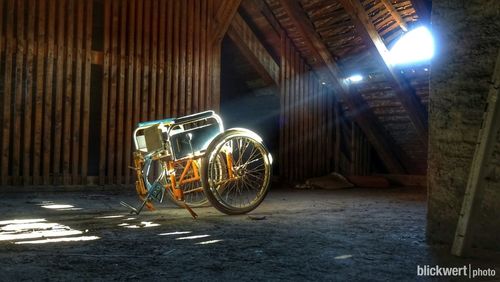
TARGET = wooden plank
x,y
7,97
354,150
103,149
47,117
161,61
196,56
130,89
154,61
2,3
283,92
295,114
86,91
68,92
330,128
289,90
310,91
169,80
383,144
403,90
58,102
215,88
322,136
182,60
203,56
40,58
175,59
210,34
146,32
189,56
77,95
337,136
18,98
120,168
301,125
486,140
112,113
28,103
138,61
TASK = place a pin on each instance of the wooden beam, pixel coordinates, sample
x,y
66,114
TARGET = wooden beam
x,y
403,90
329,70
250,46
482,158
223,18
395,14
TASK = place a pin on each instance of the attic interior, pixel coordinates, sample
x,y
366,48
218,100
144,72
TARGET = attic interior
x,y
374,128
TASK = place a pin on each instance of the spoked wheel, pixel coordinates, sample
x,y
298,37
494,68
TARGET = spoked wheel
x,y
236,171
194,195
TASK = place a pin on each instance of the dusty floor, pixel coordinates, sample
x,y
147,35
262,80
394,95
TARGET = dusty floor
x,y
353,234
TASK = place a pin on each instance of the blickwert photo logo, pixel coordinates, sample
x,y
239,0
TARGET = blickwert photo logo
x,y
455,271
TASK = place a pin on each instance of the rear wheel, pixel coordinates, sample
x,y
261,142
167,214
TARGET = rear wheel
x,y
236,171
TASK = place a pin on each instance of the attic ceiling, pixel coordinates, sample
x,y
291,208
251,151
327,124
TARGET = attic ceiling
x,y
347,33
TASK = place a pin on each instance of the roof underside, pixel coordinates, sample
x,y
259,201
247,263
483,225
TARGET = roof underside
x,y
336,28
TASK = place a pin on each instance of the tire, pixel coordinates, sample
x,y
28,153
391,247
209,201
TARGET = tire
x,y
251,171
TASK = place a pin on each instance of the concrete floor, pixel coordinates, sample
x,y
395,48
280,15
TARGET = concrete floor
x,y
353,234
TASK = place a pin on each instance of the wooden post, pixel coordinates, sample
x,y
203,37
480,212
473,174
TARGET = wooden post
x,y
482,156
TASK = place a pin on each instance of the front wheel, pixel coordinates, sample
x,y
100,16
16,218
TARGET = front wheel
x,y
236,171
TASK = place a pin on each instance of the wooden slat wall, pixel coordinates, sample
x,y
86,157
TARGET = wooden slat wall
x,y
45,67
162,73
307,131
158,60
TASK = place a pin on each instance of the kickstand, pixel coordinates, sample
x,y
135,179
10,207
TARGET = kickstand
x,y
135,210
193,214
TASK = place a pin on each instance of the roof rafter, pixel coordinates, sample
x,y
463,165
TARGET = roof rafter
x,y
250,46
405,93
328,69
395,14
223,17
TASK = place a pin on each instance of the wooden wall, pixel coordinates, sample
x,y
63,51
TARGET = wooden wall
x,y
307,118
65,63
77,76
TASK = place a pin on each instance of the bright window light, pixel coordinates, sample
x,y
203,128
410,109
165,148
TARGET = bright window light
x,y
208,242
355,78
414,46
57,207
174,233
192,237
65,239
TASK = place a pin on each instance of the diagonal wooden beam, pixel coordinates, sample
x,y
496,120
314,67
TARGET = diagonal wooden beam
x,y
250,46
223,17
329,70
405,93
486,140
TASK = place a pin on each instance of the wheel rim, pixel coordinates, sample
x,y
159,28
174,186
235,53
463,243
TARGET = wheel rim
x,y
239,172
